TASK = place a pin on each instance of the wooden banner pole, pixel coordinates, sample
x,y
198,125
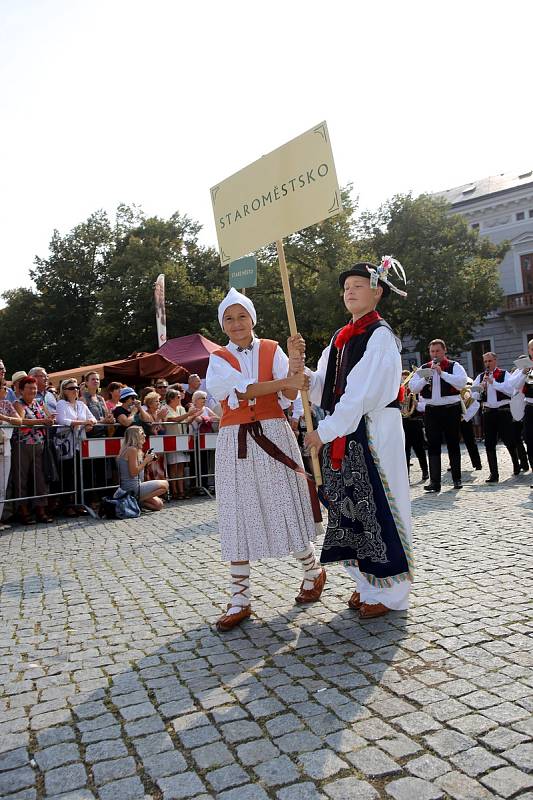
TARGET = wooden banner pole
x,y
294,330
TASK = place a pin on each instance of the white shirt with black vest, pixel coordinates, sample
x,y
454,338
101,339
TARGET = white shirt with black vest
x,y
457,378
499,392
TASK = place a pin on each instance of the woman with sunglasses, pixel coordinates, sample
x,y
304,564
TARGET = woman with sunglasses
x,y
75,417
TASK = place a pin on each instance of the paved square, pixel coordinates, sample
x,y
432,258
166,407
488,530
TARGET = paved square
x,y
115,684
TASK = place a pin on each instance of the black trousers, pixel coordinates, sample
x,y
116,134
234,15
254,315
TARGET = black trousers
x,y
528,432
467,431
498,423
414,438
443,421
518,430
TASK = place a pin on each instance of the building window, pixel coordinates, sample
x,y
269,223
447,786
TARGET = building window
x,y
475,226
531,213
520,216
526,262
478,350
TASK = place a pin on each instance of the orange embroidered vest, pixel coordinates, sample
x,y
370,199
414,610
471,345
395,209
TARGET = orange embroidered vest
x,y
266,407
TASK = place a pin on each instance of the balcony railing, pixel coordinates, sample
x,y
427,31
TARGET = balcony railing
x,y
519,302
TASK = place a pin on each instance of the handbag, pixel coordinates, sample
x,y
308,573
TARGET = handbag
x,y
50,463
123,505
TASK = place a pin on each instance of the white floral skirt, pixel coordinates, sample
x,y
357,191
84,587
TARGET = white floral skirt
x,y
264,509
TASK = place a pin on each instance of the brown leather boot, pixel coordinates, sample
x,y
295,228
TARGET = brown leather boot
x,y
355,601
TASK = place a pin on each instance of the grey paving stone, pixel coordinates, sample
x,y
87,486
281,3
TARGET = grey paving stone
x,y
409,788
57,756
15,758
287,723
199,736
240,731
227,777
226,714
248,792
320,764
102,751
63,733
507,781
265,707
24,794
399,745
476,761
65,779
345,740
155,743
177,787
77,794
144,726
111,732
458,786
427,767
16,779
373,762
212,755
125,789
105,771
300,791
416,723
277,771
252,753
299,742
447,743
521,756
350,789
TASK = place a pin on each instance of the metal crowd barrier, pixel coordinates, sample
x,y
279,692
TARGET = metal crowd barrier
x,y
68,466
37,471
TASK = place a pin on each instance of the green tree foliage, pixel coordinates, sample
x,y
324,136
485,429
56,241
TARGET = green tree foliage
x,y
93,297
452,272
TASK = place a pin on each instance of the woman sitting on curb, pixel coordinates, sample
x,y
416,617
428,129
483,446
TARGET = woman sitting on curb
x,y
131,465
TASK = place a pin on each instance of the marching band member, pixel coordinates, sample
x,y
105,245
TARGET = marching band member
x,y
265,506
522,380
364,469
495,390
413,426
441,392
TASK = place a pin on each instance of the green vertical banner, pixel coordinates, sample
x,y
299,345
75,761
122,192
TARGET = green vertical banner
x,y
243,272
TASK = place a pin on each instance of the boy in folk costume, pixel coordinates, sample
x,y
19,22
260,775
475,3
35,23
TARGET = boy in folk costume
x,y
364,468
265,505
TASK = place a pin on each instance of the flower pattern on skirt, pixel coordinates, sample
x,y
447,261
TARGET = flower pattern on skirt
x,y
264,510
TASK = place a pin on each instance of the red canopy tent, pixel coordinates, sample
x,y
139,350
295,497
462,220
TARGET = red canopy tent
x,y
141,366
191,351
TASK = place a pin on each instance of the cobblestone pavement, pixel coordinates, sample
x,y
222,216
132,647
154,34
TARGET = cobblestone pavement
x,y
115,684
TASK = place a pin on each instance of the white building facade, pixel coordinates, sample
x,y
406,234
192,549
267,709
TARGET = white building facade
x,y
501,208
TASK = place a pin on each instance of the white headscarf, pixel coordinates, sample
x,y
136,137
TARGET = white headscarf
x,y
232,298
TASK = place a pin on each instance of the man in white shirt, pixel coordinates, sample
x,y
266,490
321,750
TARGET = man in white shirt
x,y
441,392
495,389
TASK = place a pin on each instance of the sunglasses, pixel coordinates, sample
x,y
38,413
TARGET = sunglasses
x,y
75,388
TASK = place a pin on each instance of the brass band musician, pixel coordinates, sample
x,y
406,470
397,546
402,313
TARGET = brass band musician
x,y
413,425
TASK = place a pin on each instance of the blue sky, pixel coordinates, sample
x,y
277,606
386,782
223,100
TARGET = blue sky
x,y
154,102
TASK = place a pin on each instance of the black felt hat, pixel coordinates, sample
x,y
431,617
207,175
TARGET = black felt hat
x,y
363,270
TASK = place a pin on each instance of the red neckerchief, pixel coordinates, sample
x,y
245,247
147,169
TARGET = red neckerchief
x,y
496,374
355,328
444,363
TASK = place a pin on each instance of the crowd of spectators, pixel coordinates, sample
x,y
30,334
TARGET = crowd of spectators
x,y
41,431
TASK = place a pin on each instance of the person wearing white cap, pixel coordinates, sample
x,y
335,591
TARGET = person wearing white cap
x,y
365,476
267,506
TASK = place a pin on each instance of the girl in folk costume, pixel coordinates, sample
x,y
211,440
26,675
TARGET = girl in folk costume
x,y
265,505
364,468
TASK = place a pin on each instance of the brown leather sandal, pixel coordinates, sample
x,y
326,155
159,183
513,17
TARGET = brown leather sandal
x,y
229,621
312,595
